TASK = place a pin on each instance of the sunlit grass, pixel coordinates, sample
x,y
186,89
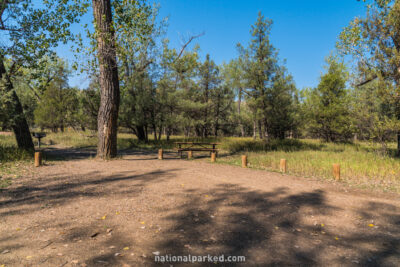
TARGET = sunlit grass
x,y
362,164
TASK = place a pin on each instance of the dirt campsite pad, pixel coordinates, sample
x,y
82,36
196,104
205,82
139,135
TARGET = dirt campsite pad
x,y
125,212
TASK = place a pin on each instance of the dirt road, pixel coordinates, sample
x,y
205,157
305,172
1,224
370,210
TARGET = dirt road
x,y
85,212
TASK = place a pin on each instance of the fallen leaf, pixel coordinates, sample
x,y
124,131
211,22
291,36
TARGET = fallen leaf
x,y
117,213
371,225
322,225
142,222
104,217
337,238
18,229
28,257
126,248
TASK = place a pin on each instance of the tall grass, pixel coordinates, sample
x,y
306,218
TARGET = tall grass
x,y
362,164
11,159
9,151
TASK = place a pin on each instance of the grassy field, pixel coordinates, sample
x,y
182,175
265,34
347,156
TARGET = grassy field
x,y
362,164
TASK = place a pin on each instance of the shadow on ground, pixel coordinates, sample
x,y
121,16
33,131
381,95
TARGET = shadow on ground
x,y
270,228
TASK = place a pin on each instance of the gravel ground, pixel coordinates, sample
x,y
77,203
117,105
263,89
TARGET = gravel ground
x,y
124,212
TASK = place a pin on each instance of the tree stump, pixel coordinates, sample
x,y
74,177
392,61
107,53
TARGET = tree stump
x,y
282,166
160,154
38,159
336,171
244,161
213,156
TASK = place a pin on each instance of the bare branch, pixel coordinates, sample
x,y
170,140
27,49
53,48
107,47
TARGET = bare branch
x,y
187,43
367,80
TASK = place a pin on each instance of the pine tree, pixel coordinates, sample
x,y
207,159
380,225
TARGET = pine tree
x,y
327,105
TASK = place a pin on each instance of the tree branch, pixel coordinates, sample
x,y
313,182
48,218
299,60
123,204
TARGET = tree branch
x,y
186,44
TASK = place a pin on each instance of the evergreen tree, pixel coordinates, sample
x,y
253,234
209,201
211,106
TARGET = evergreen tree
x,y
269,90
327,105
209,83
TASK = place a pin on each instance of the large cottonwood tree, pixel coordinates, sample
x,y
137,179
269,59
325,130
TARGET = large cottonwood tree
x,y
108,78
374,43
29,31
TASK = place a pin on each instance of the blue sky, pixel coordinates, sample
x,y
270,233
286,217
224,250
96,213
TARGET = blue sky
x,y
304,32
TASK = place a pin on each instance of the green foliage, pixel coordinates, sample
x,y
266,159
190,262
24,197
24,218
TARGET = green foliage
x,y
89,103
270,90
375,117
373,42
56,109
58,104
327,106
33,29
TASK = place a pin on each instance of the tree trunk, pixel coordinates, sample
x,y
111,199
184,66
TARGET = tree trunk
x,y
398,143
140,134
254,129
240,120
168,132
155,132
109,84
159,133
260,131
15,112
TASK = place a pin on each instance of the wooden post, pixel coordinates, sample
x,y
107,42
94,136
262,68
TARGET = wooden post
x,y
213,157
160,154
244,161
190,154
336,171
38,159
282,166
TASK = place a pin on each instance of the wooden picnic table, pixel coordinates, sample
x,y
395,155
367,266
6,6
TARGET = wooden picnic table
x,y
196,146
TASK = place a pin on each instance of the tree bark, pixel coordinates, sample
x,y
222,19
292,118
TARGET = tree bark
x,y
15,112
109,84
398,143
240,119
254,129
260,131
140,133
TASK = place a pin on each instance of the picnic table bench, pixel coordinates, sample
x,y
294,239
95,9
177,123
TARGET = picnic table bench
x,y
196,146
